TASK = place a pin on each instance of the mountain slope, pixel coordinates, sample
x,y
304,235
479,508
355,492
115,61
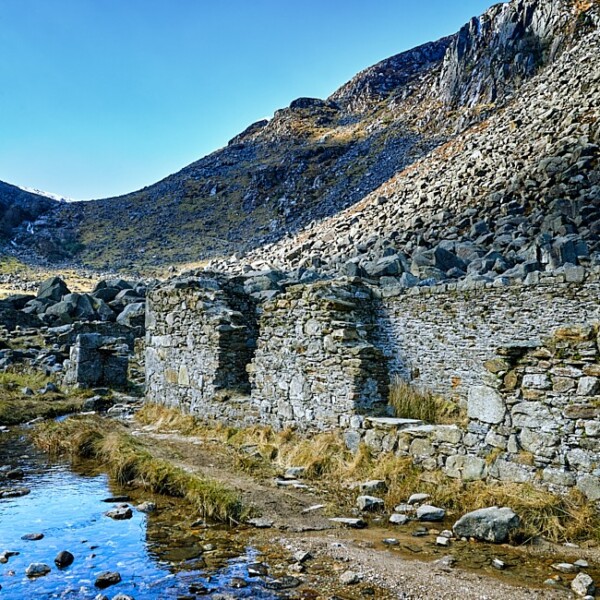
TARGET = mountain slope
x,y
318,157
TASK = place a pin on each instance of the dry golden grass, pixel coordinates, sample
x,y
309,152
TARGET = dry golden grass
x,y
328,463
409,402
129,462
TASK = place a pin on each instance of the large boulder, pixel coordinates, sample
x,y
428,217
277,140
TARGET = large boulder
x,y
11,318
134,316
488,524
53,288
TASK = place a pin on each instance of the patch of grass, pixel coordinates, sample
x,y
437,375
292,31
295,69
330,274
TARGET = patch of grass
x,y
410,402
17,408
131,463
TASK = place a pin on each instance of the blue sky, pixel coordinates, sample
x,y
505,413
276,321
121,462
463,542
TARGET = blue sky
x,y
103,97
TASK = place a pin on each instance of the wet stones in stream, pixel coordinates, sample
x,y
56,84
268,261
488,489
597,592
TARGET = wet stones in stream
x,y
37,570
106,579
14,492
120,513
32,537
4,556
64,559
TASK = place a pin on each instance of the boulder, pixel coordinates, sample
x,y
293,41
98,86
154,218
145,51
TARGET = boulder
x,y
427,512
37,570
134,316
53,288
64,559
369,503
487,524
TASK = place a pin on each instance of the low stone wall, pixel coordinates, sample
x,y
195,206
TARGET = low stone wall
x,y
440,337
315,366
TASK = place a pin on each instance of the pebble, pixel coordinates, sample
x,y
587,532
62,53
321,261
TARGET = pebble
x,y
565,568
583,585
302,556
257,570
146,507
418,498
4,556
581,563
391,542
441,540
370,503
498,564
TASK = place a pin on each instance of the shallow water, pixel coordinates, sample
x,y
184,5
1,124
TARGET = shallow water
x,y
157,555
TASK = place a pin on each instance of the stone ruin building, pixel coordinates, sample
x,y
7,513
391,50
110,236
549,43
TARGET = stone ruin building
x,y
523,360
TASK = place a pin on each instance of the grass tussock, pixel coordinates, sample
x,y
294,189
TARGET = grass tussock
x,y
131,463
410,402
327,461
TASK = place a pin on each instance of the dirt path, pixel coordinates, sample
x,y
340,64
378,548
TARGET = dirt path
x,y
389,569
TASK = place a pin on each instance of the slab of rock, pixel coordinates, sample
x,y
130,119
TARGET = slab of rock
x,y
487,524
427,512
261,522
565,568
418,498
349,522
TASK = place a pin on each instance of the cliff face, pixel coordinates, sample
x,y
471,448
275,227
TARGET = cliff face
x,y
319,157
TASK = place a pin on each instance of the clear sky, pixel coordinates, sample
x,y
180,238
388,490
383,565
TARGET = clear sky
x,y
103,97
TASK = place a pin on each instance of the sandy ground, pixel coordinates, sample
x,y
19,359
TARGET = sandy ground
x,y
392,572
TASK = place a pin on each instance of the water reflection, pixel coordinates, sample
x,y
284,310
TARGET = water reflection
x,y
157,556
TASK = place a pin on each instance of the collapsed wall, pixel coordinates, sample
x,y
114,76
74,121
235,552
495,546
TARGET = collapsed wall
x,y
200,336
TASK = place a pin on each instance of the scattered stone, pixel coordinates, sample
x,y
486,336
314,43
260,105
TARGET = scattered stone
x,y
397,519
257,570
302,556
487,524
581,563
583,585
64,559
14,492
565,568
37,570
286,582
349,522
313,508
350,578
4,556
146,507
390,542
106,579
374,486
427,512
370,503
498,564
116,499
294,472
446,562
418,498
441,540
238,583
123,597
32,537
261,522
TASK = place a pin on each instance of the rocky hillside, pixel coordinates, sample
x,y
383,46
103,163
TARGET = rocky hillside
x,y
517,194
378,148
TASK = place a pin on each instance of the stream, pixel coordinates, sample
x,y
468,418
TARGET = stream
x,y
158,555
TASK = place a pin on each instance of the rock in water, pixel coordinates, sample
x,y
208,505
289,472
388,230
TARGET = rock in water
x,y
37,570
106,579
120,514
488,524
64,559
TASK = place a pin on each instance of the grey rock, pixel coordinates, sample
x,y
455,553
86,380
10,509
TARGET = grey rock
x,y
53,289
37,570
106,579
427,512
487,524
583,585
369,503
64,559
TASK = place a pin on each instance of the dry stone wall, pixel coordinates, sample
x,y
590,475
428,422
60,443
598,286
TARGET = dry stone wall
x,y
440,337
315,366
